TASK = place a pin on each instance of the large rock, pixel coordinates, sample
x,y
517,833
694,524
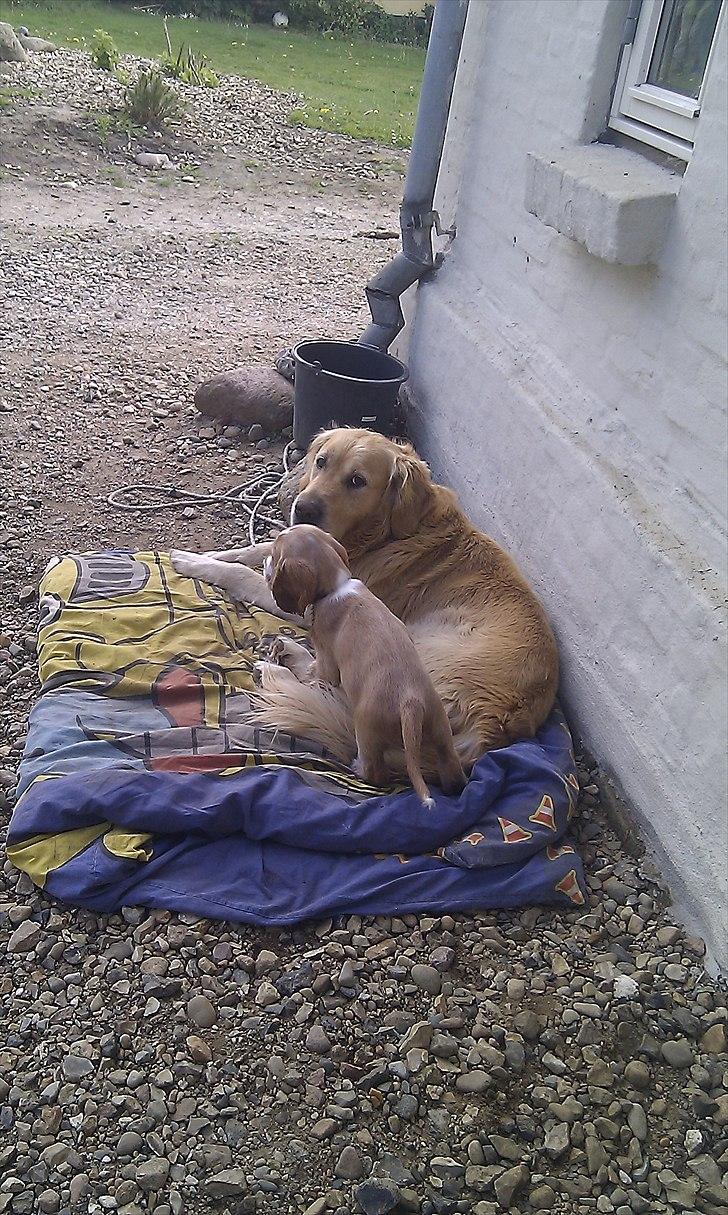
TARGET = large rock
x,y
39,46
248,395
10,49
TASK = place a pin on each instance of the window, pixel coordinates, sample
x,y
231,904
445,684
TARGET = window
x,y
663,70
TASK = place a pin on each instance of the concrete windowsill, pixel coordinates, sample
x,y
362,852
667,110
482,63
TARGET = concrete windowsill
x,y
613,201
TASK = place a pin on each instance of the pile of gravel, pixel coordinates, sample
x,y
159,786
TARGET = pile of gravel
x,y
238,114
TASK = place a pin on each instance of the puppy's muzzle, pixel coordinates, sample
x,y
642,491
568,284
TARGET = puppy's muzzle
x,y
307,510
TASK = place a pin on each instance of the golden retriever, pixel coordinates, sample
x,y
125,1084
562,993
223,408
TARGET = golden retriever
x,y
478,628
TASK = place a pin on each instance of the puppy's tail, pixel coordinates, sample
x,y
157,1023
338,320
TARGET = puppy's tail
x,y
412,715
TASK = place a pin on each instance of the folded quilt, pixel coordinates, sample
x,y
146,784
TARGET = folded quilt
x,y
144,781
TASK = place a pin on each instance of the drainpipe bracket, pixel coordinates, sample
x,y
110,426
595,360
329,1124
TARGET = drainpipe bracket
x,y
419,220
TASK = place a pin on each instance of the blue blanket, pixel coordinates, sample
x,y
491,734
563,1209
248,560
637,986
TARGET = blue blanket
x,y
144,782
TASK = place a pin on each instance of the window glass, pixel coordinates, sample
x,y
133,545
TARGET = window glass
x,y
683,44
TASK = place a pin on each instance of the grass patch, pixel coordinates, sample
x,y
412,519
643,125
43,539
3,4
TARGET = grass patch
x,y
365,89
10,93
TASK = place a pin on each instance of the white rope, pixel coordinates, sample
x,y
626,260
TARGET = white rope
x,y
249,496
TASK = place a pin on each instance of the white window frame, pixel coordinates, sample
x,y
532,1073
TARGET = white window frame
x,y
656,116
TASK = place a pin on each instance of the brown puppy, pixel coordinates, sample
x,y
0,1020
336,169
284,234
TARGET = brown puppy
x,y
362,646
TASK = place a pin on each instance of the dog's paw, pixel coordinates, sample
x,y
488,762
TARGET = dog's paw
x,y
277,652
185,563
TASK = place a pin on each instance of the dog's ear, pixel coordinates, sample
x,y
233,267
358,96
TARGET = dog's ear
x,y
293,585
410,486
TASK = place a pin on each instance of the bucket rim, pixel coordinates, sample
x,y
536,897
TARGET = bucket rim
x,y
354,379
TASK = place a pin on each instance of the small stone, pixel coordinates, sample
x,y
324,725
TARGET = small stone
x,y
152,160
49,1202
528,1024
677,1053
317,1041
427,978
637,1120
79,1187
317,1207
152,1174
266,995
266,961
25,938
637,1074
511,1183
515,1056
324,1128
377,1196
473,1082
669,934
556,1141
625,988
507,1149
713,1041
75,1067
443,958
693,1141
201,1012
199,1050
445,1167
596,1156
229,1183
128,1143
542,1198
349,1165
419,1036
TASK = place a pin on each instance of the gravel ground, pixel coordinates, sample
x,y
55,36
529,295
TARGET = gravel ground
x,y
532,1061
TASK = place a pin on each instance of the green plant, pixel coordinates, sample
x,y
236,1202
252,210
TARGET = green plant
x,y
104,126
150,101
190,68
104,52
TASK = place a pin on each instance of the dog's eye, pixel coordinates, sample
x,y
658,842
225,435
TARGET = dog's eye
x,y
356,481
321,461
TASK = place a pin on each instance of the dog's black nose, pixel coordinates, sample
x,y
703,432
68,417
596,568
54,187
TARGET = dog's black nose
x,y
308,510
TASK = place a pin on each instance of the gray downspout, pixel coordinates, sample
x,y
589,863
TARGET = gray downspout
x,y
417,217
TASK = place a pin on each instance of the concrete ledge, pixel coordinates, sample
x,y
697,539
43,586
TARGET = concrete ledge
x,y
614,202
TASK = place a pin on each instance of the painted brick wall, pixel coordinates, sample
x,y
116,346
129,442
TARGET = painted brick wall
x,y
579,409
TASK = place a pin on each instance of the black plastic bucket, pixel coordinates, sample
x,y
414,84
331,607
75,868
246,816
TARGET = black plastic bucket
x,y
344,384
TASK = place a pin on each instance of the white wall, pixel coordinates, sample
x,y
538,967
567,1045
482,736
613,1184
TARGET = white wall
x,y
579,409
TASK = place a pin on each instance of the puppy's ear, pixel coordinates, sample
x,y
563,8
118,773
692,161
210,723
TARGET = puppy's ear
x,y
337,547
293,585
411,487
